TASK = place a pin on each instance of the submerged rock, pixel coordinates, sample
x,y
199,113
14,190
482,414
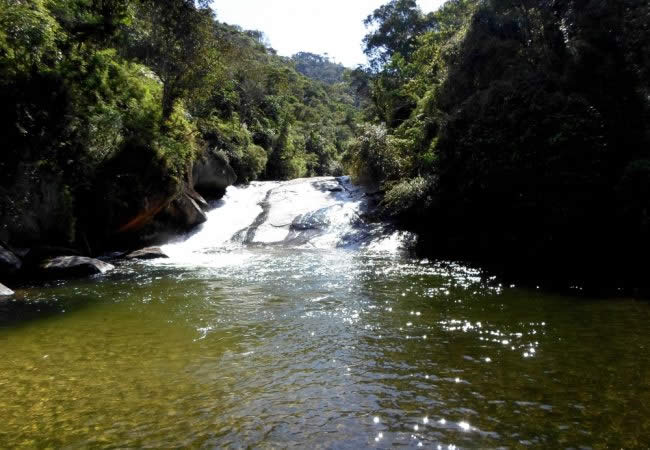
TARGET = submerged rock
x,y
73,266
9,262
5,291
147,253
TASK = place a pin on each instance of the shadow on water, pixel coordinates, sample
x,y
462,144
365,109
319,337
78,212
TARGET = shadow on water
x,y
52,299
48,300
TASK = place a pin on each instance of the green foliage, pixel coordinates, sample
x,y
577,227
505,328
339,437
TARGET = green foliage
x,y
318,67
28,38
119,97
177,145
377,156
254,162
531,117
398,24
407,195
177,40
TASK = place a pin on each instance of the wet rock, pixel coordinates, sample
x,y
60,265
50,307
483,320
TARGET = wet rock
x,y
37,254
198,198
147,253
328,186
313,220
184,213
211,175
73,266
5,291
9,262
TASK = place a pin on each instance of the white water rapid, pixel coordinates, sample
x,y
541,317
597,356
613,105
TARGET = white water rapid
x,y
308,213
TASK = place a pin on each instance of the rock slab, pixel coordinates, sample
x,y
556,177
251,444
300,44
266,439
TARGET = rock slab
x,y
147,253
9,262
74,266
212,174
5,291
185,213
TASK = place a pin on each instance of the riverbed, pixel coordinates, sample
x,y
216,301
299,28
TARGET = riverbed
x,y
287,321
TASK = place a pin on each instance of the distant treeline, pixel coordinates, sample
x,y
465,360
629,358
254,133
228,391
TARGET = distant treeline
x,y
319,67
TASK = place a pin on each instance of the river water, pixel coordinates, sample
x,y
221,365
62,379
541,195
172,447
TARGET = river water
x,y
287,321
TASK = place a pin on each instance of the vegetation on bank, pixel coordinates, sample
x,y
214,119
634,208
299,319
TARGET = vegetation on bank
x,y
103,102
498,129
513,130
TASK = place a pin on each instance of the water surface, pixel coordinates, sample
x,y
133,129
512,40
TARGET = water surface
x,y
269,334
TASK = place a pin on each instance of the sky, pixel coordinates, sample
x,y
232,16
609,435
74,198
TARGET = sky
x,y
334,27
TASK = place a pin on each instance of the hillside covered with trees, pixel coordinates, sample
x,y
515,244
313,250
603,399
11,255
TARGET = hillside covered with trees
x,y
318,67
513,131
107,105
500,131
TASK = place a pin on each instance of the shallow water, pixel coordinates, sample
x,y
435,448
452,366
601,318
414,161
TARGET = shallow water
x,y
317,345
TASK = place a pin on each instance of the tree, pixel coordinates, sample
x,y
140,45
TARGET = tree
x,y
397,26
177,39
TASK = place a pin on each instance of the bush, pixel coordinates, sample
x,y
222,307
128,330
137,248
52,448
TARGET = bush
x,y
376,157
408,195
253,162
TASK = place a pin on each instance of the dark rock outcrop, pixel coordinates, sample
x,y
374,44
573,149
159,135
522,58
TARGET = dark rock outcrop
x,y
184,213
147,253
10,264
198,198
212,174
5,291
73,266
36,206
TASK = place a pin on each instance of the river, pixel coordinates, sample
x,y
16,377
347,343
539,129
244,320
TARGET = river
x,y
287,321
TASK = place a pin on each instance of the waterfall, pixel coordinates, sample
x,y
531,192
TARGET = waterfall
x,y
309,213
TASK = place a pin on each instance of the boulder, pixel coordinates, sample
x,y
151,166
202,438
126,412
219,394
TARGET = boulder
x,y
328,186
9,262
38,254
5,291
74,266
198,198
212,174
184,213
147,253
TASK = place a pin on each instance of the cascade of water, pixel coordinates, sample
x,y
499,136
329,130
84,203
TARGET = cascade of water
x,y
234,212
320,213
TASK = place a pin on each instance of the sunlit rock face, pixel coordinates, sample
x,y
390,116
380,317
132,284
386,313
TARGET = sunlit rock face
x,y
317,211
321,213
5,291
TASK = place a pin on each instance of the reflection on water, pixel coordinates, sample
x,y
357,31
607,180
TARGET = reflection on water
x,y
276,347
325,348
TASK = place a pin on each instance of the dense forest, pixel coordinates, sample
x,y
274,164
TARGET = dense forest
x,y
513,131
319,67
106,106
503,131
